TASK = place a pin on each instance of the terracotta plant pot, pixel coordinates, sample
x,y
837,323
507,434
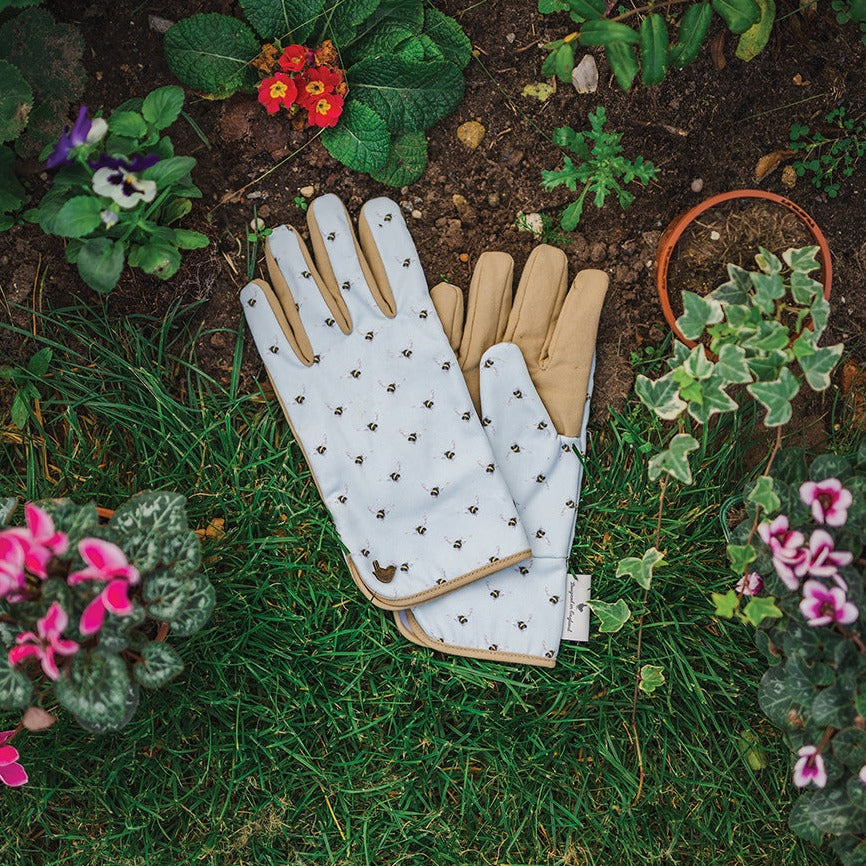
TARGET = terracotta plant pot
x,y
672,234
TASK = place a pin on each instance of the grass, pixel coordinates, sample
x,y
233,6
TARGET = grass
x,y
305,730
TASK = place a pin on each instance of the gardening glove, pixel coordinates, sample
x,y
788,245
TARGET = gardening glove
x,y
374,395
532,392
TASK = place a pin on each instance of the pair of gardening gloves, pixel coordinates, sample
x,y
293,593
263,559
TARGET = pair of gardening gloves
x,y
445,442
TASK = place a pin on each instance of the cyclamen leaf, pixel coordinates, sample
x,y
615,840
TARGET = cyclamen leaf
x,y
739,15
210,53
693,29
800,822
612,617
764,495
661,395
407,160
641,569
818,366
653,49
775,698
674,460
698,313
198,605
95,689
360,140
15,687
154,511
408,96
831,811
776,397
835,704
755,39
651,678
159,664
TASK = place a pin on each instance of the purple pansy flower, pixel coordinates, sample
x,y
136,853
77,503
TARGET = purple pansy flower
x,y
790,557
115,177
823,605
824,559
810,768
46,643
84,131
11,772
828,499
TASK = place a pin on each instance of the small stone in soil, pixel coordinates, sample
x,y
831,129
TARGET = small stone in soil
x,y
697,184
307,191
470,134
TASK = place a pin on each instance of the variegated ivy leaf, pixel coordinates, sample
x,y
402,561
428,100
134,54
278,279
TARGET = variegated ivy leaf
x,y
805,289
612,617
771,335
818,366
739,556
674,460
680,352
697,364
802,260
661,395
820,311
759,607
699,312
764,495
651,678
641,568
768,368
768,262
732,366
776,397
736,290
769,288
714,399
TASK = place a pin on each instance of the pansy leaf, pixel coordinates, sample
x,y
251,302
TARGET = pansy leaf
x,y
15,687
764,495
651,678
159,664
641,569
800,822
612,617
674,460
161,107
731,366
661,395
127,124
79,216
169,171
100,263
759,607
776,397
830,810
726,605
818,366
698,313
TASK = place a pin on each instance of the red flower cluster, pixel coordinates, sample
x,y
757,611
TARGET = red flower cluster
x,y
308,80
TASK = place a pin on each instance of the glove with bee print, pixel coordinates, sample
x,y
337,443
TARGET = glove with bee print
x,y
374,395
529,369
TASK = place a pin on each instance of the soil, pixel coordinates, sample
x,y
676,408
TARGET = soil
x,y
705,128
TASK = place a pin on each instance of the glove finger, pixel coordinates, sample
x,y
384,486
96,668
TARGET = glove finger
x,y
486,314
542,289
448,302
343,267
277,330
563,381
390,251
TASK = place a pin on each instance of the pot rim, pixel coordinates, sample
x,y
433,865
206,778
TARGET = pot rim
x,y
671,235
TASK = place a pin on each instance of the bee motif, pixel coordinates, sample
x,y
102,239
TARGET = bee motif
x,y
404,567
539,479
365,552
486,422
394,476
493,559
406,353
571,504
462,619
274,350
321,449
554,599
342,499
356,374
449,454
566,448
346,286
488,363
549,654
330,322
380,514
391,387
434,491
446,365
412,437
542,425
332,236
299,399
316,359
493,647
441,581
458,544
428,404
359,460
518,394
472,509
512,521
251,302
466,416
523,569
420,530
521,625
495,593
369,336
515,448
372,426
423,314
406,263
388,217
306,275
491,467
338,410
540,533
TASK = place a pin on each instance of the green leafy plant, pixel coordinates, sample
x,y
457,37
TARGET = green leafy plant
x,y
648,48
119,190
831,152
26,393
851,11
403,62
601,168
85,607
36,54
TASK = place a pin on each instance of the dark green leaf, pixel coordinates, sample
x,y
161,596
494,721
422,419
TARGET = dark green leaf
x,y
563,62
448,35
361,140
168,171
739,15
587,10
20,410
653,49
79,216
603,31
159,665
407,160
693,29
40,362
161,107
16,101
286,21
100,263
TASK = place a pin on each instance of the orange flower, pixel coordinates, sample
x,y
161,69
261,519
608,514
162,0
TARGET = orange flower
x,y
315,83
294,58
279,90
325,54
325,111
266,60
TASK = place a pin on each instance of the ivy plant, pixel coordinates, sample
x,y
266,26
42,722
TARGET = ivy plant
x,y
85,607
658,42
403,62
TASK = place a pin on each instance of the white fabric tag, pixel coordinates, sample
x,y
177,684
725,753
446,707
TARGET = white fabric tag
x,y
575,626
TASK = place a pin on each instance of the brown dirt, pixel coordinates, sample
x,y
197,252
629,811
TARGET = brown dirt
x,y
704,122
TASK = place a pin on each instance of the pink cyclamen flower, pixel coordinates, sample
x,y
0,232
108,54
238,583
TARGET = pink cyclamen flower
x,y
824,606
824,559
11,772
41,542
750,584
828,499
862,774
790,556
47,643
105,561
810,768
12,579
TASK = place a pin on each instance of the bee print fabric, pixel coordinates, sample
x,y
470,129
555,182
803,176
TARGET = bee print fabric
x,y
375,397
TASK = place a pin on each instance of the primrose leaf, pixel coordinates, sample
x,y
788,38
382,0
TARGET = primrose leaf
x,y
612,617
16,101
651,678
661,395
407,160
641,569
698,313
285,20
360,140
776,397
674,460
